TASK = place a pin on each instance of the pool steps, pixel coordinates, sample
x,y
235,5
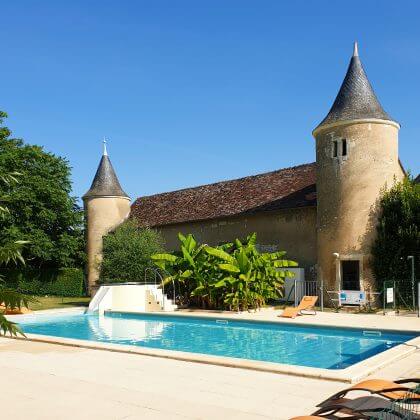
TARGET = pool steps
x,y
131,298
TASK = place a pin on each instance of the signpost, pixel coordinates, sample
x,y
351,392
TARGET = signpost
x,y
418,299
413,277
389,295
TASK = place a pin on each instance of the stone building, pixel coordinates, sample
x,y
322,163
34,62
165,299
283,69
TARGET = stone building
x,y
106,206
323,213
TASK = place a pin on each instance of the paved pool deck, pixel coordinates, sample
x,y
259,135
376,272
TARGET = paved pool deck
x,y
51,381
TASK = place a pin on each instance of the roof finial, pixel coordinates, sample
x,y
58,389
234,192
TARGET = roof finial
x,y
355,50
105,153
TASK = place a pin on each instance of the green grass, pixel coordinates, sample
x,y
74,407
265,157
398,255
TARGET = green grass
x,y
52,302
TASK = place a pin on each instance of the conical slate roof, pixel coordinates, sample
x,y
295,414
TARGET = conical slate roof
x,y
356,98
105,182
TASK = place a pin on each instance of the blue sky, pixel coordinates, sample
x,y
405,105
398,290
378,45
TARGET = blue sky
x,y
193,92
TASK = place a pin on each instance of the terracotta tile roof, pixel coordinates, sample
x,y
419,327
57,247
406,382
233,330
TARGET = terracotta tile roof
x,y
284,188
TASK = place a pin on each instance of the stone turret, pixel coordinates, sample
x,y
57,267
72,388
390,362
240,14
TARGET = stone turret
x,y
357,156
106,206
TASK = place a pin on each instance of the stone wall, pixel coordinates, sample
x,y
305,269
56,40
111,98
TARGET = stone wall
x,y
291,230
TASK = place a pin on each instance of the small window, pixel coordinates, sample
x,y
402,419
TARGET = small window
x,y
335,148
344,147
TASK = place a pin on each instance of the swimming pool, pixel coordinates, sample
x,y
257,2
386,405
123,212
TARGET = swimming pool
x,y
311,346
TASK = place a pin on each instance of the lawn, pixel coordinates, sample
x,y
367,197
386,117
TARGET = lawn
x,y
51,302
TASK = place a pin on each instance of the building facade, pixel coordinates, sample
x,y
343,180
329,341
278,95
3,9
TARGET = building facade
x,y
106,206
323,214
356,157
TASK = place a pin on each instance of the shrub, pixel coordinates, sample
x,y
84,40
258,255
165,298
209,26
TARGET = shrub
x,y
58,282
398,235
69,282
127,252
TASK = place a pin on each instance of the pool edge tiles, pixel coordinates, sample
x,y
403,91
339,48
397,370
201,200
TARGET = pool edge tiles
x,y
278,321
351,374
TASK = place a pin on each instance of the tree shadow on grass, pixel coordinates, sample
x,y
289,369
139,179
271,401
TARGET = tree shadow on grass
x,y
76,303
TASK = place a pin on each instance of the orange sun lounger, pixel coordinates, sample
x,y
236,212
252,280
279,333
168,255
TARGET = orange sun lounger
x,y
393,391
14,311
306,304
308,418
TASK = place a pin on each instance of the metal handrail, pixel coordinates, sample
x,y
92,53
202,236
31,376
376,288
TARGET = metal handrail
x,y
145,275
173,285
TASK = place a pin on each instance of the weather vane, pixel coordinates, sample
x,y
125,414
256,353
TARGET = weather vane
x,y
105,153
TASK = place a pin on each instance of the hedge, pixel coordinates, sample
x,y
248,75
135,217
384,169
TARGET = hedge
x,y
58,282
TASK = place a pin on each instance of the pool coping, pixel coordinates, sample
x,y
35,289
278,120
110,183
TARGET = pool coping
x,y
351,374
229,316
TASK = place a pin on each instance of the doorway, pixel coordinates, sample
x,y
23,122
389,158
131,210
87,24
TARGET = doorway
x,y
350,274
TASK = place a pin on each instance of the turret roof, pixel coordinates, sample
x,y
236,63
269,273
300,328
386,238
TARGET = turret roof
x,y
356,98
105,182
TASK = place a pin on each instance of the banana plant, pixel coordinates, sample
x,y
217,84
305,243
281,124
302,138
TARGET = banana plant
x,y
251,277
233,275
186,267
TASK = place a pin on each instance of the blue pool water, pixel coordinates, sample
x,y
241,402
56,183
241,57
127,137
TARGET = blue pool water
x,y
322,347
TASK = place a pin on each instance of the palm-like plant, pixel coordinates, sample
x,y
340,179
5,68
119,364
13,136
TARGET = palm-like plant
x,y
10,253
233,275
11,299
186,267
251,278
6,179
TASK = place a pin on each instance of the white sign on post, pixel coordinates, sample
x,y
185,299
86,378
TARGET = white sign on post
x,y
389,295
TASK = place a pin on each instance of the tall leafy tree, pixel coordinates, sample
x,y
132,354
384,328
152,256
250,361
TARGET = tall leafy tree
x,y
127,251
398,234
41,209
